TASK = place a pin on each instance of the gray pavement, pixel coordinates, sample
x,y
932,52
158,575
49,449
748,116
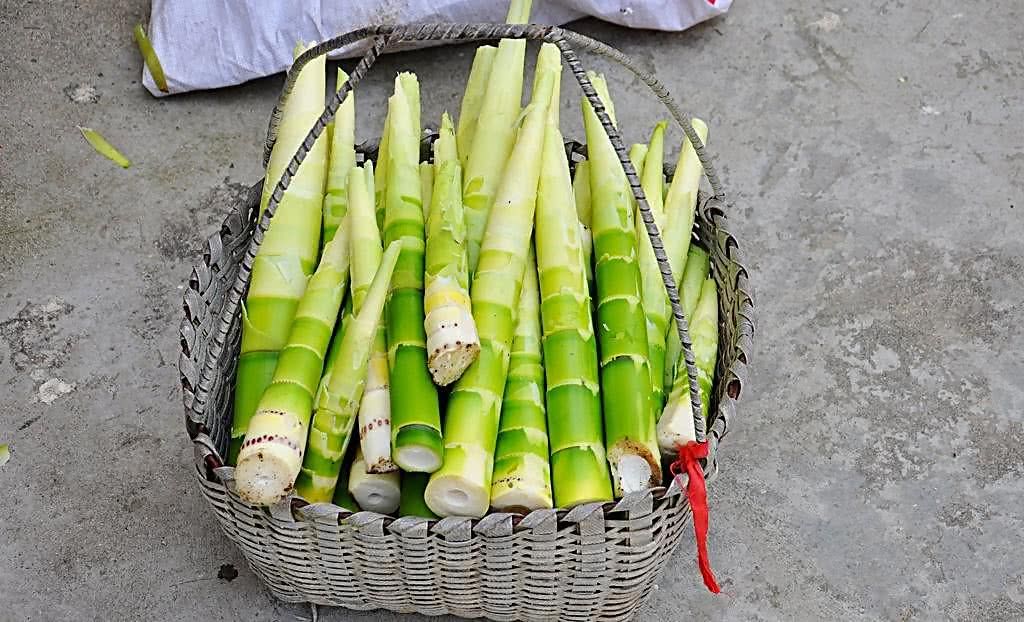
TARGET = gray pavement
x,y
875,162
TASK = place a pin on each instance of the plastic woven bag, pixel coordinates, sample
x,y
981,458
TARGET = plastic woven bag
x,y
215,43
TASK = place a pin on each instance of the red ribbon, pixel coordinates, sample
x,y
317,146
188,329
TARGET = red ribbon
x,y
696,491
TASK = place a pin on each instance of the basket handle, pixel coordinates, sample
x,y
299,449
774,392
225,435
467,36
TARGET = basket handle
x,y
384,36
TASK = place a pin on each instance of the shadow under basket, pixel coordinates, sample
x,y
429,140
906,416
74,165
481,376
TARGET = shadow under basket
x,y
593,562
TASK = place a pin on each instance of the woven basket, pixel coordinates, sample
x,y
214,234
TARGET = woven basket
x,y
593,562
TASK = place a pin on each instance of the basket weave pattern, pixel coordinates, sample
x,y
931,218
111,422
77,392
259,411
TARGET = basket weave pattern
x,y
594,562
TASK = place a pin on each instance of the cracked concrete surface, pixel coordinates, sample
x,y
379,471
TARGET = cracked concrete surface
x,y
875,162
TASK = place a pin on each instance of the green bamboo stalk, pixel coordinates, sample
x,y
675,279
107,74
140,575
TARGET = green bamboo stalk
x,y
579,471
462,486
581,198
473,99
652,289
332,424
426,186
415,413
637,153
342,159
653,177
412,504
522,474
581,193
332,351
495,133
380,174
682,194
344,316
655,297
452,340
584,206
630,436
411,90
705,342
549,58
675,428
698,264
289,251
518,12
409,83
375,407
271,454
371,181
374,492
366,241
680,205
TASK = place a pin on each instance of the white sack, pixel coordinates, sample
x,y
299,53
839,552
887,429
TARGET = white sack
x,y
206,44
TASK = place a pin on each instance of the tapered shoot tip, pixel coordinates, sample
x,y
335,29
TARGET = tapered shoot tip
x,y
519,12
340,82
391,251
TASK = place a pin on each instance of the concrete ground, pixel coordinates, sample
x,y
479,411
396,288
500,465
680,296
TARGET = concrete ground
x,y
875,163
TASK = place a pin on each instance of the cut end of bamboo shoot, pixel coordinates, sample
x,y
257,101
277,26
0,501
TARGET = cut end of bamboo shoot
x,y
417,459
453,495
382,466
377,495
452,341
633,468
675,427
375,428
374,492
418,449
523,491
265,476
448,363
375,432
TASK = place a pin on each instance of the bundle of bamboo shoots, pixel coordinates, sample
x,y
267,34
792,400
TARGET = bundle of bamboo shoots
x,y
491,281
